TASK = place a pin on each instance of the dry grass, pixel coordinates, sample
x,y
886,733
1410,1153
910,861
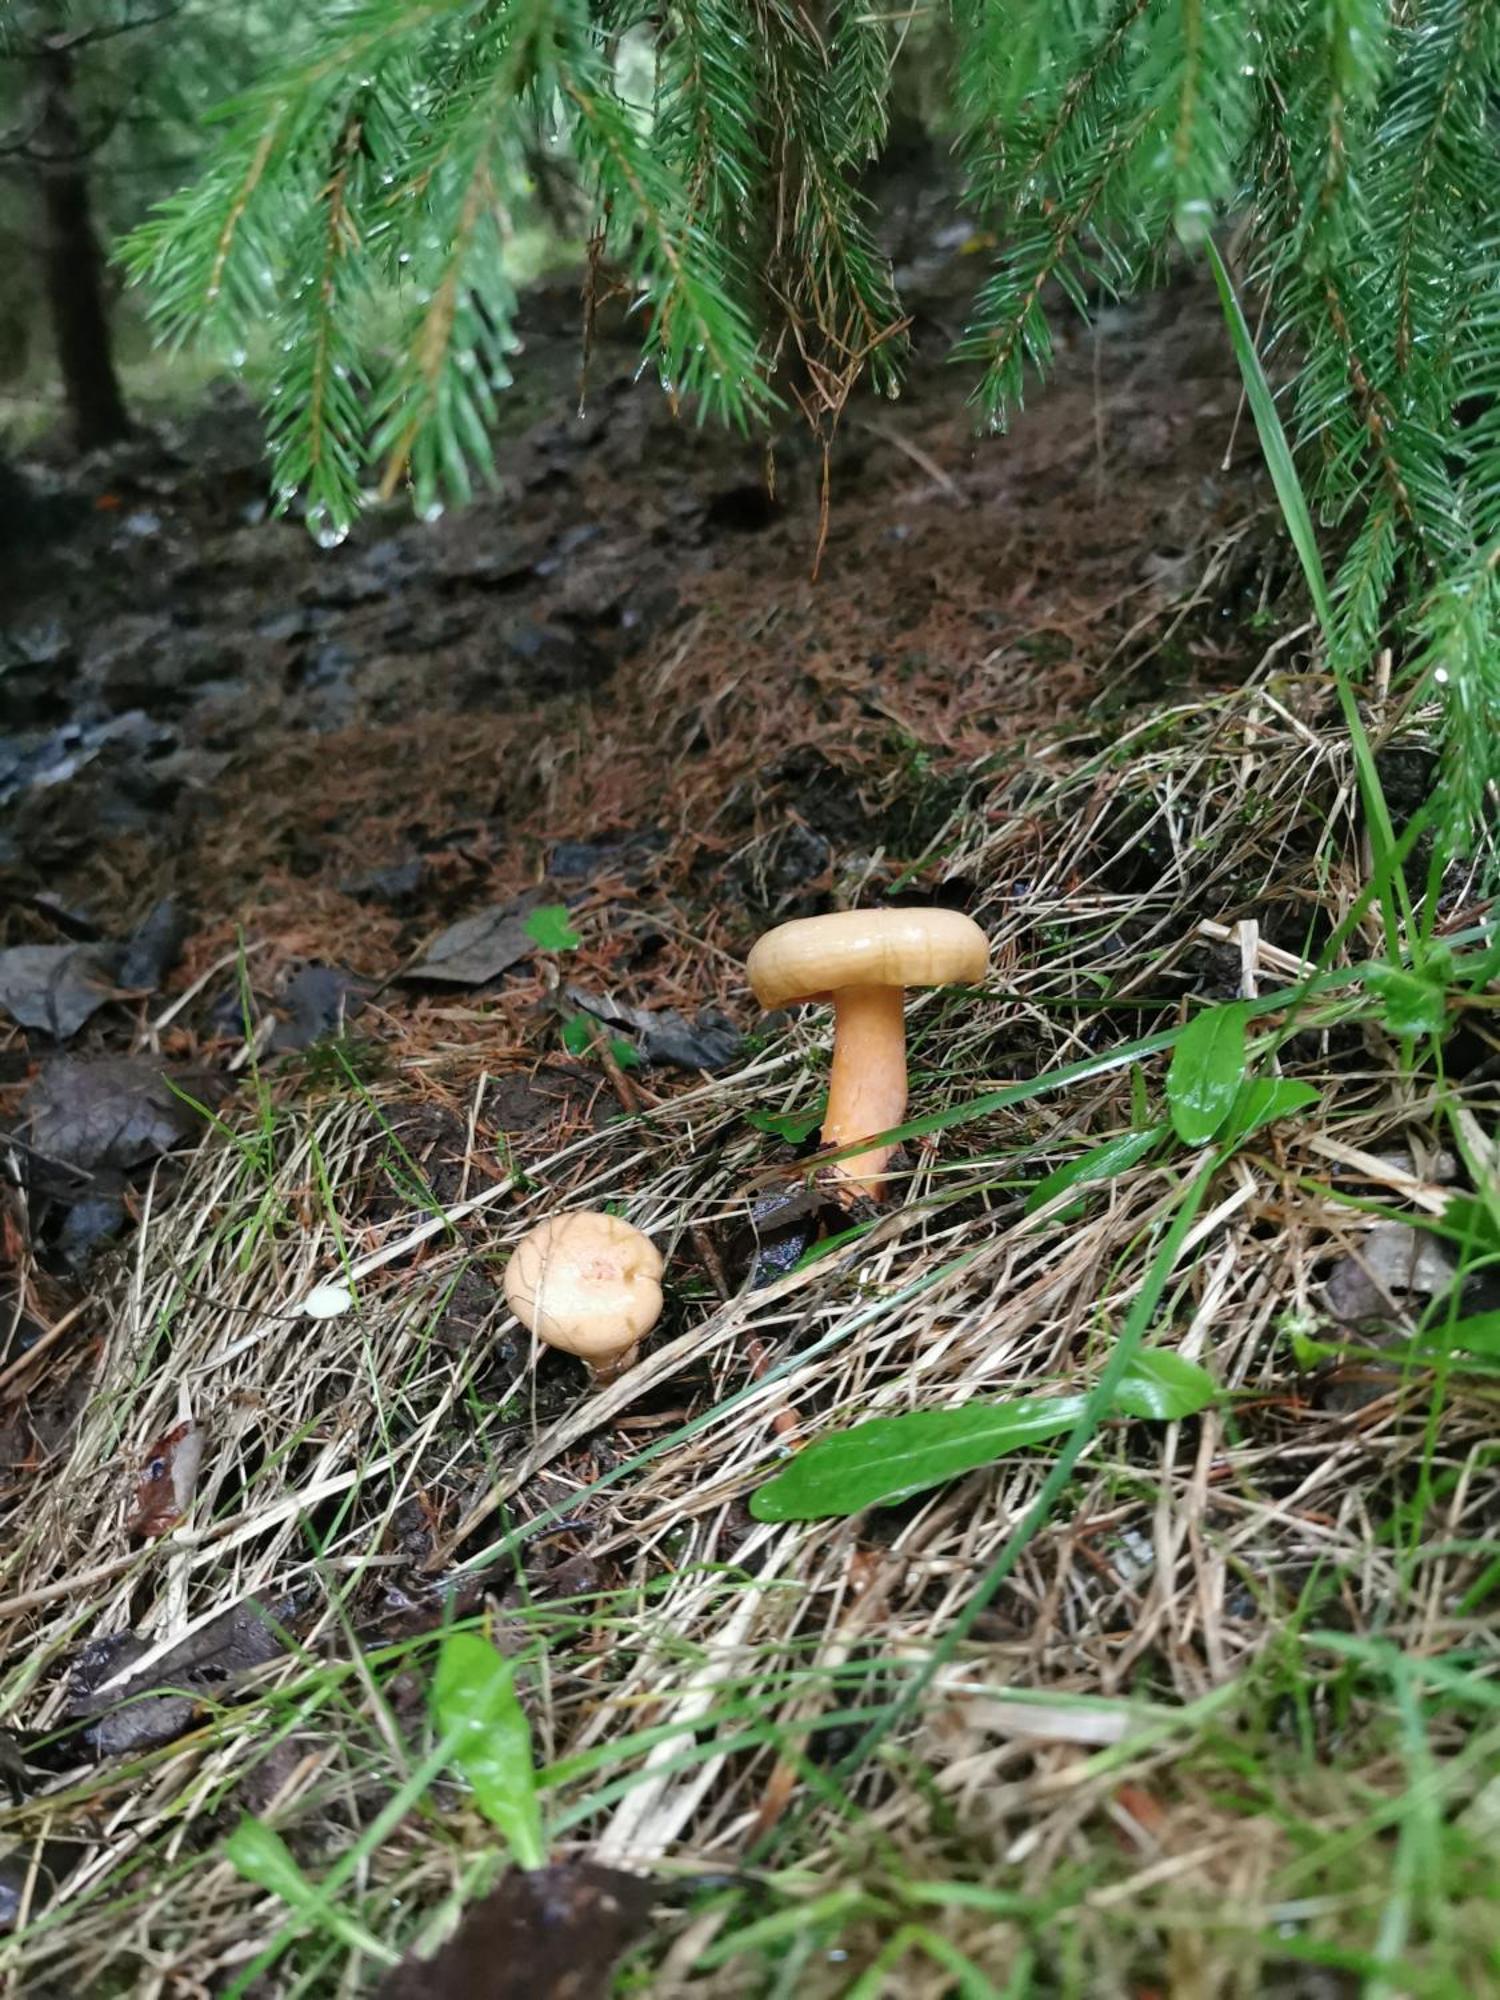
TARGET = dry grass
x,y
1143,1771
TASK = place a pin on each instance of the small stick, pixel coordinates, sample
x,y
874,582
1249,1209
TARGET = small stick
x,y
48,1341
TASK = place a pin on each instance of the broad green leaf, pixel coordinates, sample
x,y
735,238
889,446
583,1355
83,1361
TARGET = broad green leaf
x,y
1100,1163
549,927
889,1458
1468,1219
793,1126
1263,1100
474,1694
580,1037
260,1854
1411,1004
886,1458
1478,1334
1163,1386
1208,1067
257,1852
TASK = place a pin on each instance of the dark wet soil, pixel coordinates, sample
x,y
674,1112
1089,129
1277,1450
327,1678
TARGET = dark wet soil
x,y
249,786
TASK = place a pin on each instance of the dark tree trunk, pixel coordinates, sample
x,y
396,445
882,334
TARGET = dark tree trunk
x,y
73,263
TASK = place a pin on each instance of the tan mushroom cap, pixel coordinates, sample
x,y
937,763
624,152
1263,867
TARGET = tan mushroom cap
x,y
586,1283
815,956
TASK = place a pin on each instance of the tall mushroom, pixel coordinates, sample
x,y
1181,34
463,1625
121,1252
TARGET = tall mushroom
x,y
589,1284
864,960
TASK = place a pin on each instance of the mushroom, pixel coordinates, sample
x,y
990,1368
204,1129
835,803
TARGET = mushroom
x,y
863,960
589,1284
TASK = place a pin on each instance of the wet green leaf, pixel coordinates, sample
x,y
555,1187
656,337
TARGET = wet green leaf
x,y
548,926
474,1694
1470,1221
580,1037
1478,1334
257,1852
1263,1100
1163,1386
793,1126
889,1458
1411,1004
1100,1163
1208,1067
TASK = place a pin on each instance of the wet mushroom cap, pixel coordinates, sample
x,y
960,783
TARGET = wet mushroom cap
x,y
586,1283
815,957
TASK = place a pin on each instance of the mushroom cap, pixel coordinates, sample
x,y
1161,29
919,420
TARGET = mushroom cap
x,y
815,956
587,1283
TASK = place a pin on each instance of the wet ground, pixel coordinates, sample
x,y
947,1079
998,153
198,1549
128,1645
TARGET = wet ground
x,y
254,792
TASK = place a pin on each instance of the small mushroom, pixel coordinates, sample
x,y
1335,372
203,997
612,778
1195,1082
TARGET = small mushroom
x,y
588,1284
864,960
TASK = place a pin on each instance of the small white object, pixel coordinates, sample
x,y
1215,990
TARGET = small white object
x,y
327,1301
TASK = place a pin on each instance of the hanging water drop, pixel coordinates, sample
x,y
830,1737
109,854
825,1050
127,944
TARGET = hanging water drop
x,y
433,511
324,529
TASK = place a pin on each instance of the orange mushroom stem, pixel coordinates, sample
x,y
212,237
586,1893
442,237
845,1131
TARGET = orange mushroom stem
x,y
867,1080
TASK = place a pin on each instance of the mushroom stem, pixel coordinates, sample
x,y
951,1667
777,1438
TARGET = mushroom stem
x,y
605,1369
867,1085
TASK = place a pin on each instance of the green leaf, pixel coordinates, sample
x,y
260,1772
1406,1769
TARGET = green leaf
x,y
549,927
474,1696
1412,1005
793,1126
886,1458
1100,1163
1163,1386
1208,1067
1469,1220
260,1854
580,1037
889,1458
1479,1334
1263,1100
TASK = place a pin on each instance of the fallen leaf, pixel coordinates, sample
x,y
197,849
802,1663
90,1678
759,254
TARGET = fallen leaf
x,y
56,986
125,1711
396,884
481,947
710,1043
169,1477
92,1222
547,1934
580,860
317,1001
117,1112
1390,1264
153,948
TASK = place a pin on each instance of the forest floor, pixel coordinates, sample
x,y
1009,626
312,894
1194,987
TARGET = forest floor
x,y
360,848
